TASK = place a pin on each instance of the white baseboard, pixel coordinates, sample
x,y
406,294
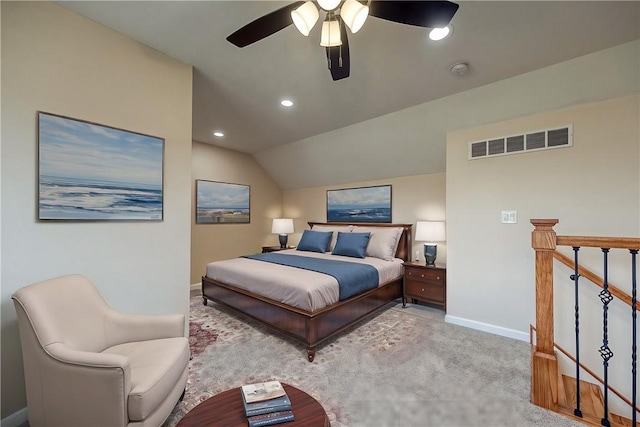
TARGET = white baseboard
x,y
486,327
196,287
16,419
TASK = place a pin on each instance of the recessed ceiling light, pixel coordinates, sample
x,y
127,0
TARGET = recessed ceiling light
x,y
218,134
441,33
286,103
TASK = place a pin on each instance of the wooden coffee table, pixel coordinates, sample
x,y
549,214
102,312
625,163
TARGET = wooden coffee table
x,y
226,410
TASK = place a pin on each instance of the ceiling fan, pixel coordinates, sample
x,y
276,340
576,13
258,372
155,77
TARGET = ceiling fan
x,y
340,14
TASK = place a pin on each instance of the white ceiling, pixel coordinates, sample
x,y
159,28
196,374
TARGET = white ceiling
x,y
393,66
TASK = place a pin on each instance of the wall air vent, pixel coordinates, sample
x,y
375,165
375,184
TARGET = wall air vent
x,y
514,144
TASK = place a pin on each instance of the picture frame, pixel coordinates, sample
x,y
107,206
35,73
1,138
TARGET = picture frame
x,y
94,172
222,203
362,204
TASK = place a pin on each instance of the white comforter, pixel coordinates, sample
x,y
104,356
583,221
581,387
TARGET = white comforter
x,y
293,286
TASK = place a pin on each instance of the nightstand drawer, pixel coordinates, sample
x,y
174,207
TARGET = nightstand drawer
x,y
424,291
435,277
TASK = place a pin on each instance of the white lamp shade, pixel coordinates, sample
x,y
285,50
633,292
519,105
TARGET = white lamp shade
x,y
354,14
328,4
430,231
330,34
305,17
282,226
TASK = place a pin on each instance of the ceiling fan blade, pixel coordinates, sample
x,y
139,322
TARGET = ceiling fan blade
x,y
338,56
264,26
430,14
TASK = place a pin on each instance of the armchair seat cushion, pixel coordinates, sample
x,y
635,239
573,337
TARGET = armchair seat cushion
x,y
156,366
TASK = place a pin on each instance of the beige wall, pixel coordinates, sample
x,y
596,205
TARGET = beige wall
x,y
56,61
413,198
593,188
212,242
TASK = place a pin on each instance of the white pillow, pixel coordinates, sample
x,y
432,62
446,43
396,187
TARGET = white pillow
x,y
383,242
334,229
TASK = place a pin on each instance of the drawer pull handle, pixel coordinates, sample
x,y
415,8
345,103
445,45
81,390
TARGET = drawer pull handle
x,y
422,275
422,289
438,278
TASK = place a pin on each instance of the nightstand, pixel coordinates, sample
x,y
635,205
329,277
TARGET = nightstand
x,y
266,249
425,283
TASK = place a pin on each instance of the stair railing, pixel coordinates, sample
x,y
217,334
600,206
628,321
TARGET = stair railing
x,y
532,330
544,380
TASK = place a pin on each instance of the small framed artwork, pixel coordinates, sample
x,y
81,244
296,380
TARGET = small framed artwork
x,y
222,203
364,204
88,171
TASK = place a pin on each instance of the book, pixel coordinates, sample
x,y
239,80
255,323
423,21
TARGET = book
x,y
277,404
262,391
271,418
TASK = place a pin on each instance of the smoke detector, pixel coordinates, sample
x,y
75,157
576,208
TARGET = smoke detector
x,y
459,68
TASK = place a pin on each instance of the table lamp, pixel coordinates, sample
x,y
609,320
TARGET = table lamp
x,y
430,232
282,227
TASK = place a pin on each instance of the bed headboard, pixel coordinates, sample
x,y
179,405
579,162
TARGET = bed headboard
x,y
404,245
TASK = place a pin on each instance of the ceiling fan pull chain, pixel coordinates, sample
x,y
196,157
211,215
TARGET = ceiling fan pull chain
x,y
340,23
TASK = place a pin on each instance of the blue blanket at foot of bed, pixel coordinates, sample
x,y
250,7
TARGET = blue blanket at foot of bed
x,y
353,278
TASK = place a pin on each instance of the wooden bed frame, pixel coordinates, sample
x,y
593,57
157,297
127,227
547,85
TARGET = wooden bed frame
x,y
311,328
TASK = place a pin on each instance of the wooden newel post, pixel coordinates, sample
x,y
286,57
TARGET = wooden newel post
x,y
544,365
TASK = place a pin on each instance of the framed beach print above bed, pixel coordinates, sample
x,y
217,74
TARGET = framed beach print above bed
x,y
364,204
222,203
93,172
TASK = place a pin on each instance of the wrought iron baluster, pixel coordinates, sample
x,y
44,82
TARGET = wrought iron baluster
x,y
575,276
634,354
605,351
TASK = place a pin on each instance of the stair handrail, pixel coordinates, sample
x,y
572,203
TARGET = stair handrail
x,y
544,386
585,368
585,272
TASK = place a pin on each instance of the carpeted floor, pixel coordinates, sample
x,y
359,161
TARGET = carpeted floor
x,y
403,367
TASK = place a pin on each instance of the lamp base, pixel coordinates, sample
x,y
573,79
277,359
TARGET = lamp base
x,y
283,240
430,252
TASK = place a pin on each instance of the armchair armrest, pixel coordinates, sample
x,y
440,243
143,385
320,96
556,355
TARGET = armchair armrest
x,y
94,386
65,354
123,327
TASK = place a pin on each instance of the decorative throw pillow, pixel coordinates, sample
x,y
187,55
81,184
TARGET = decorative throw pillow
x,y
351,244
314,241
334,229
383,242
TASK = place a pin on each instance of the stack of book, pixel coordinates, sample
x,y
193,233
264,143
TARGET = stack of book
x,y
266,403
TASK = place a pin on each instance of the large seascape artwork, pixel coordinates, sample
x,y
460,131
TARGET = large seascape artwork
x,y
222,203
88,171
365,204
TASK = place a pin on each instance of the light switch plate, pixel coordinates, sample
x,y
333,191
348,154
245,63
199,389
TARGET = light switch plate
x,y
509,217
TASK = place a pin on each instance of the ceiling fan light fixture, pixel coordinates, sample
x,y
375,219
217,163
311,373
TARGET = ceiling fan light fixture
x,y
305,17
441,33
328,5
330,34
354,14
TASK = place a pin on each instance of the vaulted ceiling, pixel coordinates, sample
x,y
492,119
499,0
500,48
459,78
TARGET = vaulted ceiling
x,y
393,67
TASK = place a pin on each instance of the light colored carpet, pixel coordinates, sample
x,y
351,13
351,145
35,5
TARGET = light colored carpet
x,y
402,367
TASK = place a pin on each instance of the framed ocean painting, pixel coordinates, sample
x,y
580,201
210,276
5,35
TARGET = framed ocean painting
x,y
93,172
222,203
364,204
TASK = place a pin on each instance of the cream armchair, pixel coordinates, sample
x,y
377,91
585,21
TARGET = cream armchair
x,y
86,364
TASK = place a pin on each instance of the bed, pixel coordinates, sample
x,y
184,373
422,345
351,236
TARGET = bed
x,y
311,325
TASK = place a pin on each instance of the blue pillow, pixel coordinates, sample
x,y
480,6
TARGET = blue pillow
x,y
351,244
314,241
